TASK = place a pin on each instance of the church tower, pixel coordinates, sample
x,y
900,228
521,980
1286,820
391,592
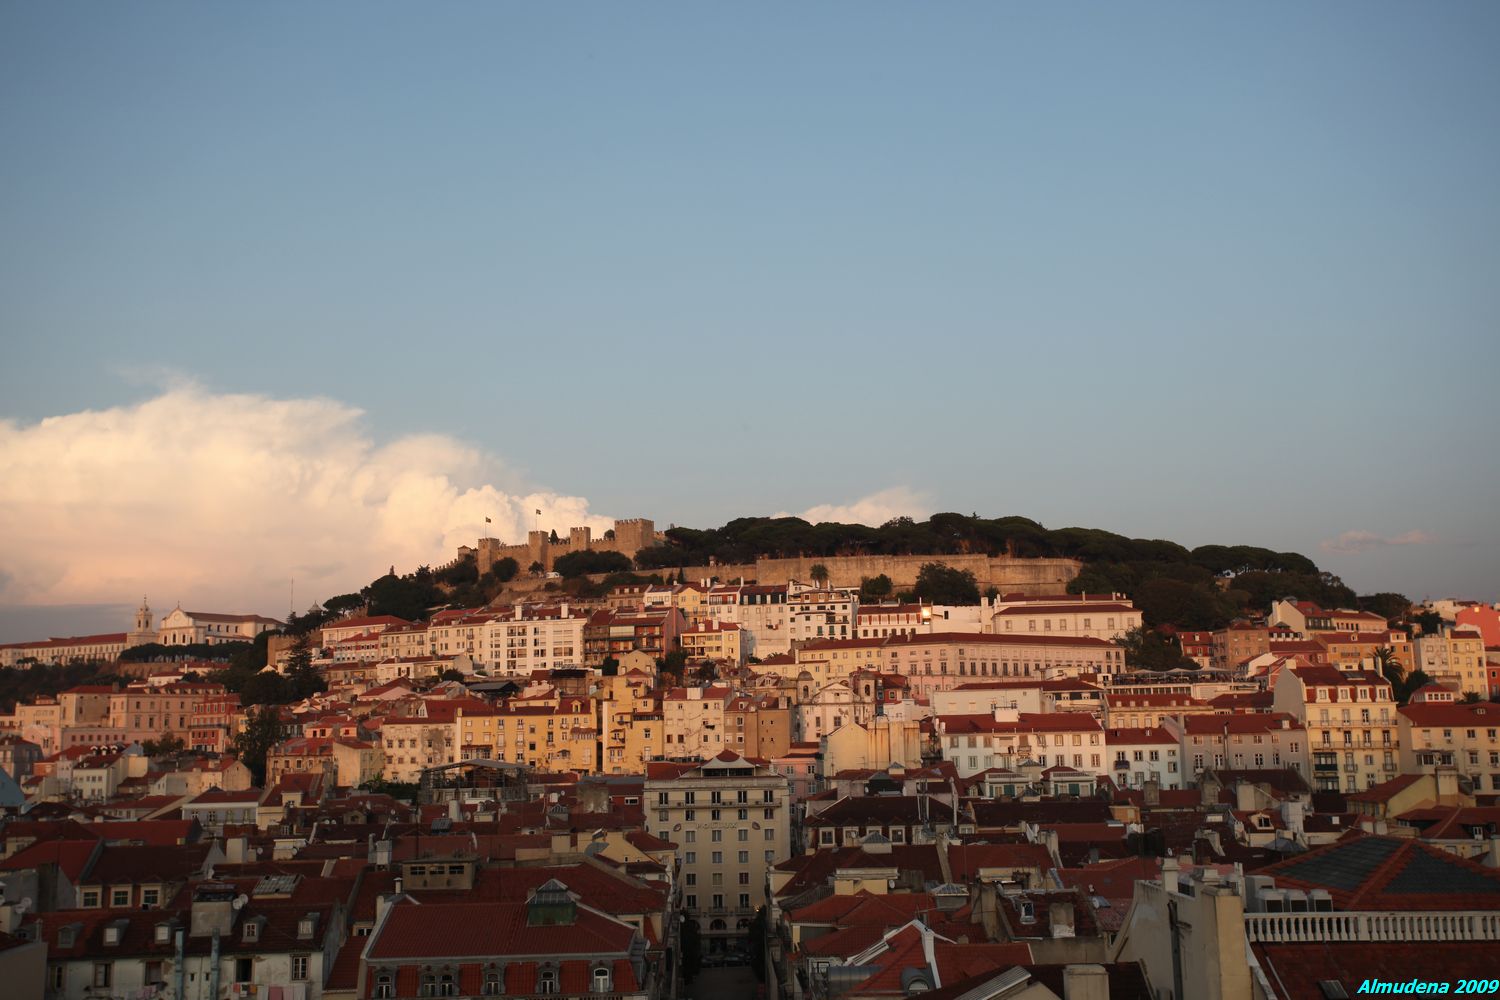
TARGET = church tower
x,y
143,632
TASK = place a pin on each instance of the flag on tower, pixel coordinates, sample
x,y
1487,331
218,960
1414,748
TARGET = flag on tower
x,y
539,510
486,520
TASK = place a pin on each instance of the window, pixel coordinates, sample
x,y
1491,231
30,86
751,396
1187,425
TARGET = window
x,y
103,974
718,857
770,834
299,966
119,898
691,857
546,981
90,898
150,897
744,857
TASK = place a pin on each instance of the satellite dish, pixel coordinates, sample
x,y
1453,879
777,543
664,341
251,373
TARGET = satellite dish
x,y
240,901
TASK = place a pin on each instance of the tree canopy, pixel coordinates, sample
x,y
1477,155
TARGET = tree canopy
x,y
939,583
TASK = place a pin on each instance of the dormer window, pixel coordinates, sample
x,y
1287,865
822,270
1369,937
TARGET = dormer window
x,y
112,935
163,933
385,985
251,931
67,936
306,926
601,979
546,981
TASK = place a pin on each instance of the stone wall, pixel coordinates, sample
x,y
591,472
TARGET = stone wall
x,y
1008,573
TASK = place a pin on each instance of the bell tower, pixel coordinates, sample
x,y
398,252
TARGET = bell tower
x,y
143,632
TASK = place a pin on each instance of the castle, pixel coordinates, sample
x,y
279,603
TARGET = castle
x,y
627,537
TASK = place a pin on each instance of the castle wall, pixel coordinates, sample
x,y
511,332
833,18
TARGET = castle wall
x,y
631,535
1008,573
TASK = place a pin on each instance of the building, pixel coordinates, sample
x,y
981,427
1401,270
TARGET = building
x,y
1254,741
553,944
1455,657
716,641
1098,616
185,628
821,614
1139,756
730,818
1351,721
1445,733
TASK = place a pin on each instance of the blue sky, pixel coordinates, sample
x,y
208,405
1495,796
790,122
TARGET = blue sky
x,y
1209,273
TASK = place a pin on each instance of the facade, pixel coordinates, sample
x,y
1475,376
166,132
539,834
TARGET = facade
x,y
1138,756
184,628
1107,616
1351,722
1466,737
821,614
560,735
717,641
105,648
1254,742
730,818
1455,657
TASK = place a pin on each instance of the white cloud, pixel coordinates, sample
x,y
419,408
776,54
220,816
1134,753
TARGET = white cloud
x,y
1351,542
217,500
874,510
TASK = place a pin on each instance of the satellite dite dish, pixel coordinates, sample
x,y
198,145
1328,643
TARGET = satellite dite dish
x,y
240,901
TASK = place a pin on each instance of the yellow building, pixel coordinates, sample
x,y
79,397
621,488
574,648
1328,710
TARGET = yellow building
x,y
713,641
564,737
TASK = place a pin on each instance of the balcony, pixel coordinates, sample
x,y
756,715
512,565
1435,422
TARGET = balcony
x,y
1477,925
1325,767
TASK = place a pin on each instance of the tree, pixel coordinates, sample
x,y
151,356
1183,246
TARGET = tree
x,y
757,935
536,568
1390,666
303,679
1148,649
875,588
819,574
1470,698
584,562
1430,622
1415,681
167,746
261,733
939,583
266,687
504,570
1387,605
451,675
705,673
610,667
692,948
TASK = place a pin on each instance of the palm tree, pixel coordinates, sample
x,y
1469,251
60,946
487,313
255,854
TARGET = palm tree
x,y
819,574
1390,667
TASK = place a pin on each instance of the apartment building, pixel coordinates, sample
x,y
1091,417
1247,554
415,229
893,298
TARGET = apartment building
x,y
559,736
1351,723
1437,731
975,743
821,614
1252,741
1139,755
1134,709
730,819
1455,657
694,720
716,641
1098,616
759,609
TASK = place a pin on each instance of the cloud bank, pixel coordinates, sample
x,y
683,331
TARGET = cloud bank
x,y
874,510
1352,542
220,500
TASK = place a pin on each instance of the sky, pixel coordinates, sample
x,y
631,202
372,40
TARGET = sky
x,y
301,293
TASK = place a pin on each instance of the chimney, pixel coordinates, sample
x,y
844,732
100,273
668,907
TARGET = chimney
x,y
1169,870
1060,919
562,610
1085,982
1152,790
